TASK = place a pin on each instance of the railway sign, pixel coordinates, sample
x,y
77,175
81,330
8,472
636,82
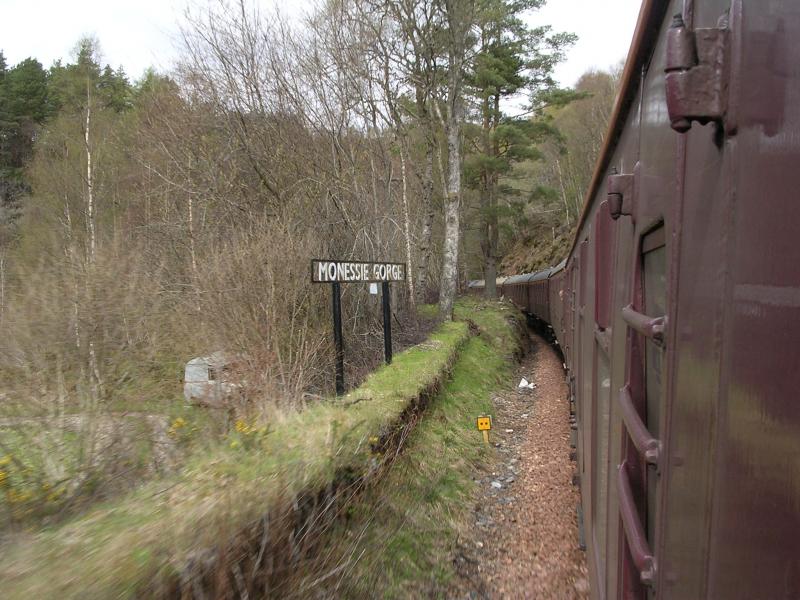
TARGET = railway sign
x,y
337,272
330,271
484,425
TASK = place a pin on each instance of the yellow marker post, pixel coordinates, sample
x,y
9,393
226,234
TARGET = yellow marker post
x,y
484,425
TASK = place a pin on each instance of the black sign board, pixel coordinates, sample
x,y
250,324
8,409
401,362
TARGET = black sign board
x,y
328,271
336,272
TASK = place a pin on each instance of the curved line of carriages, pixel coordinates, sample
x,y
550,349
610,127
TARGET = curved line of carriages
x,y
529,291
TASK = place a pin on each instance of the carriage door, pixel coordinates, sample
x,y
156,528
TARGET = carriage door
x,y
583,386
640,402
604,237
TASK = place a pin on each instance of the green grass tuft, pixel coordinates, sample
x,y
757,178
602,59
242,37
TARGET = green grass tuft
x,y
149,535
428,311
412,520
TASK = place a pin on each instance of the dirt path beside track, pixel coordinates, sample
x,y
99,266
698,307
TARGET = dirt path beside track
x,y
524,543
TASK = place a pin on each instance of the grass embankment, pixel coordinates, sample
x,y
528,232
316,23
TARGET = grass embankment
x,y
54,467
401,535
169,534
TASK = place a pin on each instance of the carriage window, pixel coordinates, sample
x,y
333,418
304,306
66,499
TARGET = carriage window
x,y
655,295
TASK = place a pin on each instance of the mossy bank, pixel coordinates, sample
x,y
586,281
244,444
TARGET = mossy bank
x,y
400,536
261,514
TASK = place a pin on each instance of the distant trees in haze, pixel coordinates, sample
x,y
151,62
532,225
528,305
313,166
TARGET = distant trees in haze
x,y
569,158
550,191
30,95
24,106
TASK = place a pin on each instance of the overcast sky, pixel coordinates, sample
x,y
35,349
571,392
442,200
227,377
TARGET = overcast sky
x,y
141,33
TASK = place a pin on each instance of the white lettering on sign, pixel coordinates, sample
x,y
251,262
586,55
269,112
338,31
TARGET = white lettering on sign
x,y
329,271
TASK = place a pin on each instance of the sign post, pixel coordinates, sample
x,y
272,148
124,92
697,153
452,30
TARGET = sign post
x,y
338,339
337,272
387,323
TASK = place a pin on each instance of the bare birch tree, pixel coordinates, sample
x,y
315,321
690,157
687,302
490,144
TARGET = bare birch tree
x,y
458,15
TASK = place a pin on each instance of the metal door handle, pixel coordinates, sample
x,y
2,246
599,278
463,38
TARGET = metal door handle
x,y
651,327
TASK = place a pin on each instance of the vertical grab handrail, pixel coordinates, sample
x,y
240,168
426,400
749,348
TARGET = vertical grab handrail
x,y
647,445
634,532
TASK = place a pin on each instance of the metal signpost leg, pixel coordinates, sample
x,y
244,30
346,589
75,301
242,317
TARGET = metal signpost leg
x,y
337,337
387,322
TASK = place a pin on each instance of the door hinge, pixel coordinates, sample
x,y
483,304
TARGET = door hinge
x,y
698,73
622,193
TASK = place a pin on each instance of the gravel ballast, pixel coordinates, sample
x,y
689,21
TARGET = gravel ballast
x,y
524,542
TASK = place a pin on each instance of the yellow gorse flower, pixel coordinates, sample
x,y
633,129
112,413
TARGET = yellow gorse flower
x,y
15,497
177,424
244,427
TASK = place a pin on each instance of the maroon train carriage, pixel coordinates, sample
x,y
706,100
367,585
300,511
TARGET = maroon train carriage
x,y
555,294
538,296
476,286
529,291
678,311
515,288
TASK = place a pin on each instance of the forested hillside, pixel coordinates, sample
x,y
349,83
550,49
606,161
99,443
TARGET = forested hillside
x,y
145,222
560,179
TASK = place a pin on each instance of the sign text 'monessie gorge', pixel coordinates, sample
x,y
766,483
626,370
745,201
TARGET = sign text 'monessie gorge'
x,y
328,271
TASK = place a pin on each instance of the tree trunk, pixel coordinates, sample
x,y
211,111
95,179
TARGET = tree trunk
x,y
407,225
192,251
493,240
193,255
459,16
489,269
452,213
90,218
2,287
427,224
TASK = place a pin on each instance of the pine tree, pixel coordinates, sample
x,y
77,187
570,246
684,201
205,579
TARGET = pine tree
x,y
23,108
115,89
72,85
26,91
6,133
5,117
511,59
